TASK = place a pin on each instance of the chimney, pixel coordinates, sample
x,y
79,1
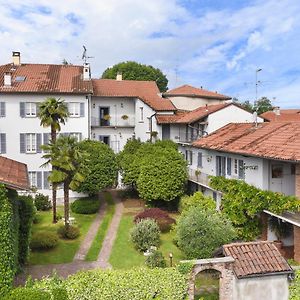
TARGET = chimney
x,y
86,71
16,58
7,79
206,107
276,110
119,76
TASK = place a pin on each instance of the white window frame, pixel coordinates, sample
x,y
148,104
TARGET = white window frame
x,y
32,178
30,143
30,110
74,109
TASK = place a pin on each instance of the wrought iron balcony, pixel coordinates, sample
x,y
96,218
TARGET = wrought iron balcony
x,y
113,121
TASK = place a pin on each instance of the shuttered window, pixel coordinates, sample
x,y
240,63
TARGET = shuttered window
x,y
199,163
30,142
2,143
2,109
35,178
241,169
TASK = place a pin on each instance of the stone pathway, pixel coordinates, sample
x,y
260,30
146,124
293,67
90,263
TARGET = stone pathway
x,y
64,270
111,234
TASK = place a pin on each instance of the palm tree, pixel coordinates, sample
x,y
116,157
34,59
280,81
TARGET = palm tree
x,y
52,113
67,161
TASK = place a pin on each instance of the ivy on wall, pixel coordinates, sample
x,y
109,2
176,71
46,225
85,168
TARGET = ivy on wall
x,y
243,203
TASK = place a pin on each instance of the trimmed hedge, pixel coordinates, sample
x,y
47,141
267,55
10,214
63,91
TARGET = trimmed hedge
x,y
70,232
28,294
85,206
43,240
135,284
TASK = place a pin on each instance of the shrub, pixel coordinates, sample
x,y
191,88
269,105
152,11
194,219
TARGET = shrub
x,y
28,294
196,200
200,232
145,234
294,287
42,202
26,215
70,232
85,206
37,219
135,284
155,260
43,240
162,218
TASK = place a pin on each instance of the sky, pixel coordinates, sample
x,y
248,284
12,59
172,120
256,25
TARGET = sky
x,y
218,44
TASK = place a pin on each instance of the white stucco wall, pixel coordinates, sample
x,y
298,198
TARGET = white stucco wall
x,y
260,288
12,124
191,103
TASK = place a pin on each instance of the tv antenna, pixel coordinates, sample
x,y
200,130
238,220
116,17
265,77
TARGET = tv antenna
x,y
84,56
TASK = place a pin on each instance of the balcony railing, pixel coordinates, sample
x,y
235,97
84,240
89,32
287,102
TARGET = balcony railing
x,y
113,122
197,176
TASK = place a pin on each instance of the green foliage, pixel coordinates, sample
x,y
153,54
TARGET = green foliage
x,y
26,215
155,260
28,294
163,175
196,200
260,106
200,232
101,167
185,268
86,206
70,232
242,203
135,284
43,240
8,255
294,287
42,202
135,71
145,234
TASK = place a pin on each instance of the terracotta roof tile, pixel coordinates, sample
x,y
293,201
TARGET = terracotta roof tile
x,y
44,78
274,140
190,91
285,115
191,116
147,91
13,174
256,258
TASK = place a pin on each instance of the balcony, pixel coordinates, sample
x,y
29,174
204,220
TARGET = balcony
x,y
114,121
197,176
189,135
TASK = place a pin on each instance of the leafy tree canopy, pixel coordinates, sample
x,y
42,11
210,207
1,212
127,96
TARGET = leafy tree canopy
x,y
261,105
135,71
101,167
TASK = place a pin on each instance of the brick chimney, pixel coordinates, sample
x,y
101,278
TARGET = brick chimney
x,y
86,71
16,58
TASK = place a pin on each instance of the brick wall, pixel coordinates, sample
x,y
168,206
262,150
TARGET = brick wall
x,y
297,179
264,225
296,243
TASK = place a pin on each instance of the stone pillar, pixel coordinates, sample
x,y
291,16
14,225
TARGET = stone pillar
x,y
226,283
296,243
264,224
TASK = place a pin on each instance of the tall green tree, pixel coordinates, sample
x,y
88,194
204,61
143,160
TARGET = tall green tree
x,y
68,162
132,70
52,113
262,105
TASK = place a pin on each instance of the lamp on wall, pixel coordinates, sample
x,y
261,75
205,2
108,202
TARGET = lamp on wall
x,y
94,105
209,158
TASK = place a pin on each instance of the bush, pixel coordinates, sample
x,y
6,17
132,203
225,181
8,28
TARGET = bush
x,y
37,219
162,218
70,232
26,215
135,284
145,234
28,294
200,232
155,260
196,200
294,287
43,240
85,206
42,202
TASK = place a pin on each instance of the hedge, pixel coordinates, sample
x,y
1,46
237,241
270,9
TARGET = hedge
x,y
85,206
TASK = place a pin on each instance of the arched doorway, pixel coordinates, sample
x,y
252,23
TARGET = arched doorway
x,y
207,284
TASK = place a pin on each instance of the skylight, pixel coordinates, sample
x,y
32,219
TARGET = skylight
x,y
20,78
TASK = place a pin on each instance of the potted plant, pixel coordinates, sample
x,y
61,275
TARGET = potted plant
x,y
124,117
106,117
281,230
154,134
197,173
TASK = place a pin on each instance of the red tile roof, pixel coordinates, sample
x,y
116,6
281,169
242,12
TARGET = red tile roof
x,y
190,91
273,140
189,117
285,115
13,174
147,91
256,258
44,78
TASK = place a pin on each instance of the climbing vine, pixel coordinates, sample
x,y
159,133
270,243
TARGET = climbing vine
x,y
243,203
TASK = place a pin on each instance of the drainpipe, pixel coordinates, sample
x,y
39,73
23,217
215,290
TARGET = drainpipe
x,y
150,120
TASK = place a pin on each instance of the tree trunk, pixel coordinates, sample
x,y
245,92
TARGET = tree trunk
x,y
66,203
54,186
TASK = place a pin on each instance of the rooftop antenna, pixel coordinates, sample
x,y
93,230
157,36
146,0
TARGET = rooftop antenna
x,y
84,56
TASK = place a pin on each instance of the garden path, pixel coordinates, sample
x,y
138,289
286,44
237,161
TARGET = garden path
x,y
64,270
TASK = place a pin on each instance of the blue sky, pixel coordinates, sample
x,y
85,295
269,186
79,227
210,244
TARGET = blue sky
x,y
215,44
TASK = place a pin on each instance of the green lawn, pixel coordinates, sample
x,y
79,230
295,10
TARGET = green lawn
x,y
124,255
96,246
66,249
